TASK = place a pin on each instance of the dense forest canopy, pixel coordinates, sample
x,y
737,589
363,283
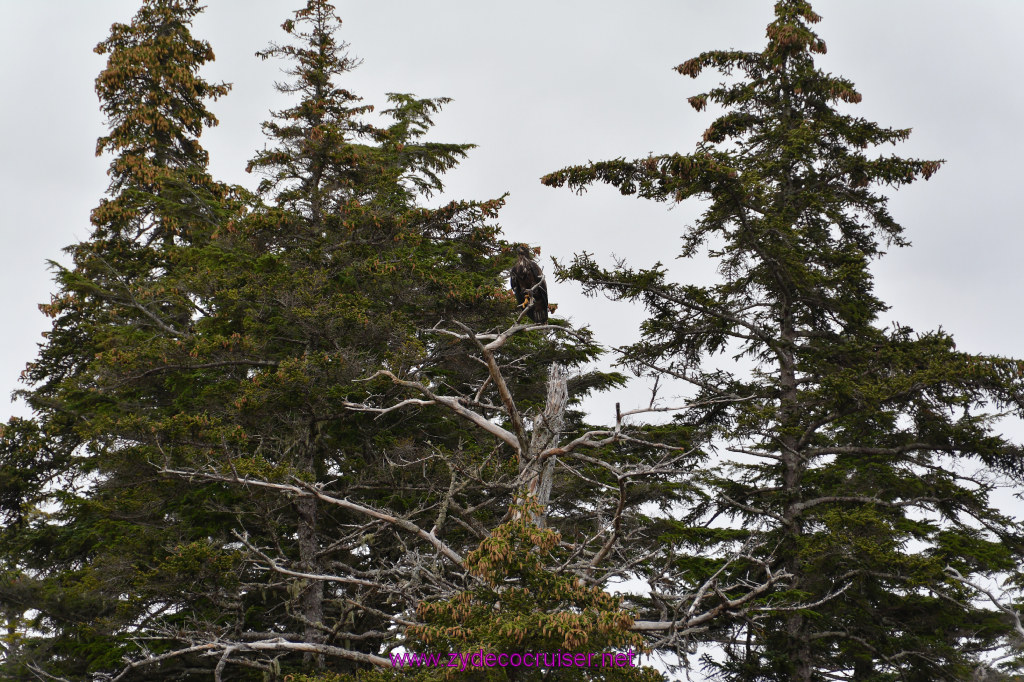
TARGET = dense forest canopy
x,y
290,429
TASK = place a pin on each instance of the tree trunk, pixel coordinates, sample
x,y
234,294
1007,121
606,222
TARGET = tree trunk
x,y
547,429
799,645
311,606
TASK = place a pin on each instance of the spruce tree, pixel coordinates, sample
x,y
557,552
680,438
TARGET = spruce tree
x,y
198,492
341,274
340,269
79,540
864,455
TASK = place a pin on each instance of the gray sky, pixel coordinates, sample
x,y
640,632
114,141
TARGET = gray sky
x,y
541,85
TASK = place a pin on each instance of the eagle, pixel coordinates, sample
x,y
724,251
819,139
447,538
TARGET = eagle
x,y
529,285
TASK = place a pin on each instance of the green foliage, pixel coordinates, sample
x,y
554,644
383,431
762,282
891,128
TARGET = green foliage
x,y
207,334
535,605
85,516
214,481
857,444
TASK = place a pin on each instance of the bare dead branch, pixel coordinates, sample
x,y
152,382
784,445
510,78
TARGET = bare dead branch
x,y
518,427
452,404
691,623
157,658
1000,602
307,490
277,568
225,649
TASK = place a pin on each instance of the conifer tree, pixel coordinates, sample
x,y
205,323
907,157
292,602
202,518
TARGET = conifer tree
x,y
338,274
199,403
78,542
341,275
865,455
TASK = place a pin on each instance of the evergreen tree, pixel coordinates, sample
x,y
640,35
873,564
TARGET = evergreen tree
x,y
201,490
79,540
865,457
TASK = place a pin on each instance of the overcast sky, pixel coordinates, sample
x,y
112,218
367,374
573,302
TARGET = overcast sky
x,y
542,85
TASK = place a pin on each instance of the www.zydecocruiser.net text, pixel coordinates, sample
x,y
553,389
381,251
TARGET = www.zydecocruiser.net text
x,y
481,659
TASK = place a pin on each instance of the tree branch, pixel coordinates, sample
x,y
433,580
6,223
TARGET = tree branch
x,y
307,490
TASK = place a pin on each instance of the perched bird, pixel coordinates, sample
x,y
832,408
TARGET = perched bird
x,y
529,285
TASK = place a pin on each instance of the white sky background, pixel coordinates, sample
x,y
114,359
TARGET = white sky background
x,y
541,85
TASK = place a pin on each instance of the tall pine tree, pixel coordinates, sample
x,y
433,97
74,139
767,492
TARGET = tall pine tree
x,y
865,456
